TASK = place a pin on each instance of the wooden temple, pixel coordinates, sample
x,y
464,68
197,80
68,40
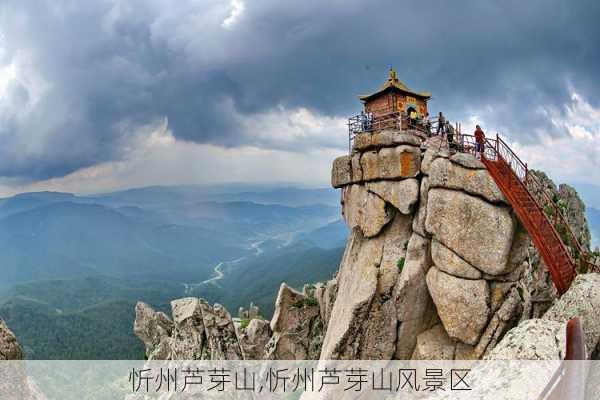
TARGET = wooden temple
x,y
395,97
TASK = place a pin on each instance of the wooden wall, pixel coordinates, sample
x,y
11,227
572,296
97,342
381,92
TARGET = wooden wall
x,y
395,102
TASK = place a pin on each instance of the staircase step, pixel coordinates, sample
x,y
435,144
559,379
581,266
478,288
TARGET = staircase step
x,y
535,220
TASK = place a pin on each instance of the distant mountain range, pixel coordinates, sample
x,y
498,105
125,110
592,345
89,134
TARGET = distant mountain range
x,y
74,263
154,232
593,216
71,264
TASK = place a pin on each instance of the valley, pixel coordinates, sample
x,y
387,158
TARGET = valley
x,y
79,263
87,260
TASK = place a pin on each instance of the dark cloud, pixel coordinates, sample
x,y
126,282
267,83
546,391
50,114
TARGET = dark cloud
x,y
96,67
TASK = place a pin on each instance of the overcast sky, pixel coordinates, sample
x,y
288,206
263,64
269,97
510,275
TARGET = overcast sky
x,y
98,95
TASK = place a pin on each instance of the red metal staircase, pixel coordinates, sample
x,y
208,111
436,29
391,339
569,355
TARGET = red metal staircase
x,y
537,211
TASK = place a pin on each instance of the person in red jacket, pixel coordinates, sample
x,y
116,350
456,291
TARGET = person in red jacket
x,y
479,140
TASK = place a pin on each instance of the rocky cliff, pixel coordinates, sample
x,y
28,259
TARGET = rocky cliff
x,y
437,266
9,347
198,330
14,382
444,253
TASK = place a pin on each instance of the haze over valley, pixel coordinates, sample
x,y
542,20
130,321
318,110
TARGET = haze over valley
x,y
75,263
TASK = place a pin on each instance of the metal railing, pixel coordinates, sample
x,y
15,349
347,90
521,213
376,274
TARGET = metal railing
x,y
494,150
569,381
497,149
364,123
545,198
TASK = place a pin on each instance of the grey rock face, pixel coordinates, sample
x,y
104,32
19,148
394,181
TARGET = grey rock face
x,y
421,214
399,162
435,344
476,230
414,307
521,247
386,138
404,138
575,213
199,331
391,163
467,161
380,330
14,381
448,261
534,339
432,153
188,336
506,313
395,247
220,333
357,174
569,202
401,194
297,327
370,165
486,273
361,260
544,339
326,294
363,321
581,300
366,141
365,210
9,347
447,174
152,328
254,338
341,173
539,291
463,305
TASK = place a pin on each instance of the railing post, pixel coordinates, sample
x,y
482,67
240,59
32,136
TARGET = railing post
x,y
574,379
349,137
497,145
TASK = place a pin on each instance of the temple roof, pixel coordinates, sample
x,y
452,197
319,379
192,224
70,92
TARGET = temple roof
x,y
394,83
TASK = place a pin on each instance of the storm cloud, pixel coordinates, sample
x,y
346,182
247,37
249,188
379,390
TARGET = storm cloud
x,y
79,79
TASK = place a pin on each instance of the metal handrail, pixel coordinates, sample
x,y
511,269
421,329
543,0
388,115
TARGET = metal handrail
x,y
569,380
495,149
360,123
532,182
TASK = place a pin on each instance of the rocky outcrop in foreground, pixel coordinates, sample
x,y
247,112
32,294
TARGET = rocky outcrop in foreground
x,y
199,331
437,266
544,338
14,382
9,348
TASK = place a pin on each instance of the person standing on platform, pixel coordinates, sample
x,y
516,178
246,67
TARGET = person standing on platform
x,y
412,116
479,141
441,124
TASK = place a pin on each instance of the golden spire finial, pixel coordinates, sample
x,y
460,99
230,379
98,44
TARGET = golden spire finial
x,y
393,76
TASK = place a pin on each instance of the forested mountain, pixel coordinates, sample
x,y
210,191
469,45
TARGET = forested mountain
x,y
74,263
